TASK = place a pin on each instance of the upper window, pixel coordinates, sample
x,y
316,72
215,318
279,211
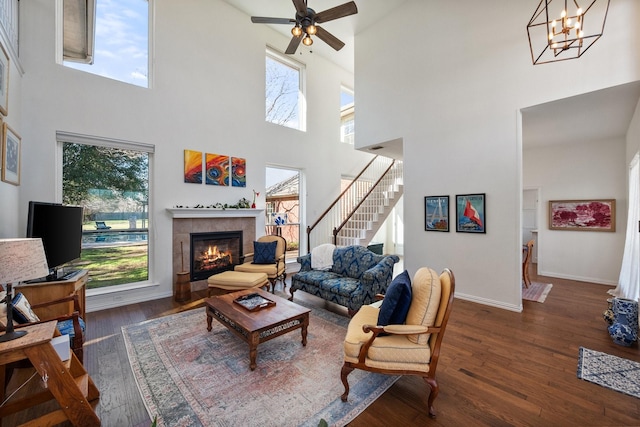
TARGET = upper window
x,y
347,116
284,91
121,48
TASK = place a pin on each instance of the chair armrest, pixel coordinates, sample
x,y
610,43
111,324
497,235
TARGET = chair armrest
x,y
379,273
305,262
75,316
73,297
392,330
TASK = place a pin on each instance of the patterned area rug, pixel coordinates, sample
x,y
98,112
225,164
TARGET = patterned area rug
x,y
190,377
536,291
609,371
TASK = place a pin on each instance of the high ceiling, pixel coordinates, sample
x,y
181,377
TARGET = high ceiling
x,y
599,115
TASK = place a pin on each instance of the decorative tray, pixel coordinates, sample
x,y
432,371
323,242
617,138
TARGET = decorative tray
x,y
254,302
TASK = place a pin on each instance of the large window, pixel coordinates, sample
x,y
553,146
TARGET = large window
x,y
121,46
347,116
284,91
110,179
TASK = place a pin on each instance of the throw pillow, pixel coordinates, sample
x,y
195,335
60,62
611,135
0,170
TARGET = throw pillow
x,y
264,252
22,312
396,302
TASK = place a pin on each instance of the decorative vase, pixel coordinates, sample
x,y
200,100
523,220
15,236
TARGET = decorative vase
x,y
624,329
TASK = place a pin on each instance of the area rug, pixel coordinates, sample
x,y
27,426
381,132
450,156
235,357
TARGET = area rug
x,y
190,377
536,291
609,371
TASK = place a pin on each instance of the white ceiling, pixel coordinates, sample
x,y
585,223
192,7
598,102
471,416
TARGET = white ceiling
x,y
369,12
600,115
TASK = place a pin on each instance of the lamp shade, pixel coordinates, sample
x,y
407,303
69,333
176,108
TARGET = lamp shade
x,y
21,260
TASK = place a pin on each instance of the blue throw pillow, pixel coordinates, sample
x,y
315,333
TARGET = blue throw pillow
x,y
264,252
397,300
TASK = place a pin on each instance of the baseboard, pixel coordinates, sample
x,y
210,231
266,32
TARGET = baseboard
x,y
492,303
595,280
104,302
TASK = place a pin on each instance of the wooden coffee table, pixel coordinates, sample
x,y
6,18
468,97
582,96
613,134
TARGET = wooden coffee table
x,y
256,327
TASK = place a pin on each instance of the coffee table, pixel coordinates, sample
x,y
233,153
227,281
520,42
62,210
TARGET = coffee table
x,y
256,327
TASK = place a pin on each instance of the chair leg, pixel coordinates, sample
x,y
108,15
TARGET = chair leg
x,y
433,384
346,370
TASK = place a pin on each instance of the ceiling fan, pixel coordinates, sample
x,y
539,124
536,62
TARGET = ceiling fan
x,y
306,21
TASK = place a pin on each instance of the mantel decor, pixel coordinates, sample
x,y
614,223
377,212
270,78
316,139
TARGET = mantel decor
x,y
560,30
583,215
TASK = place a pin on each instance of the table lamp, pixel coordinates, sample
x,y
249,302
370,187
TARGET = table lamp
x,y
20,260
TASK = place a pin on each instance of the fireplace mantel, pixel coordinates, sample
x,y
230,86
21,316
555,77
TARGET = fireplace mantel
x,y
214,213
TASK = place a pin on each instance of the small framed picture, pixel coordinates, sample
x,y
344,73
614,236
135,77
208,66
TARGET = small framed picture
x,y
10,155
470,213
436,213
4,81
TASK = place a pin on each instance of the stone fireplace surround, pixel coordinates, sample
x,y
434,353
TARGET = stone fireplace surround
x,y
193,220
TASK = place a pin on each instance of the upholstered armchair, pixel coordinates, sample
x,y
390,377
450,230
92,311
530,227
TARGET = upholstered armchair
x,y
268,257
411,348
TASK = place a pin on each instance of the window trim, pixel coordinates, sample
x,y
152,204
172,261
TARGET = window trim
x,y
302,84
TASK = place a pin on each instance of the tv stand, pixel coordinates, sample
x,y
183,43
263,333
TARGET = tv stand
x,y
47,291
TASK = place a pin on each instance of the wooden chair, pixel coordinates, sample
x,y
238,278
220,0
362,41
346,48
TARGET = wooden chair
x,y
408,349
275,271
526,259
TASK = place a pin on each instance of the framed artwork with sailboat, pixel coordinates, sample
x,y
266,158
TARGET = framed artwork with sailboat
x,y
436,213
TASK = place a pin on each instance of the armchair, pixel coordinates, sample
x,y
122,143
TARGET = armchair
x,y
274,270
412,348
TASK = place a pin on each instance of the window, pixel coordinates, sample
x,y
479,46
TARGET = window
x,y
121,48
110,179
284,91
347,116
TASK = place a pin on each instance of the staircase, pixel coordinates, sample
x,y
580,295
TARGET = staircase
x,y
361,209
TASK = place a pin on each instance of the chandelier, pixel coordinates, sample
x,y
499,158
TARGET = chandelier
x,y
560,30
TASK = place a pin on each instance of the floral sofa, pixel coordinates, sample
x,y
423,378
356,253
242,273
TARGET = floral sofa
x,y
356,276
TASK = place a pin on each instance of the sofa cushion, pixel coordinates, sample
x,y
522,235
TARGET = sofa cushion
x,y
397,300
22,312
425,302
314,277
344,286
264,252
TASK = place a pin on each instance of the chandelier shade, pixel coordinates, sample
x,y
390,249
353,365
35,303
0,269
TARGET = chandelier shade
x,y
565,29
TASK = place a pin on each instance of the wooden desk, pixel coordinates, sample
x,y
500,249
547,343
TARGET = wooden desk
x,y
68,383
41,292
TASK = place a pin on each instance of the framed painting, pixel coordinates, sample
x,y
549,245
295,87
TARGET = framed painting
x,y
436,213
11,147
470,213
583,215
4,81
193,167
216,169
238,172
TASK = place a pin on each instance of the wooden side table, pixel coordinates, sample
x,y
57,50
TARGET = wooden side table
x,y
68,382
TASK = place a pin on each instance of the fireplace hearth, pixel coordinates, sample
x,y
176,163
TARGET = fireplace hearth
x,y
214,252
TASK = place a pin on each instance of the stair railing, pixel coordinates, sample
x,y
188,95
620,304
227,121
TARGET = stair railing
x,y
348,200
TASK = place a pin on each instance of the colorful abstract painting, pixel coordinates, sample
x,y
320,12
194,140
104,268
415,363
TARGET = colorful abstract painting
x,y
193,166
217,169
238,172
591,215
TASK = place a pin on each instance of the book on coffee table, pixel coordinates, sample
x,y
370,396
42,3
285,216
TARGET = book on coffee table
x,y
254,302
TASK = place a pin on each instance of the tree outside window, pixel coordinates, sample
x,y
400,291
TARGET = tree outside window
x,y
347,116
283,91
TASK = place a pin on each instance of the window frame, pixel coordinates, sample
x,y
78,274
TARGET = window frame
x,y
347,117
280,57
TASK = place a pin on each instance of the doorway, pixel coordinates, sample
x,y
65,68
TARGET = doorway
x,y
283,207
530,205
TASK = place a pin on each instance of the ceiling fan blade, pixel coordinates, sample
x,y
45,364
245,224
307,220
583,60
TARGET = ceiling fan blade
x,y
336,12
329,38
293,45
265,20
301,7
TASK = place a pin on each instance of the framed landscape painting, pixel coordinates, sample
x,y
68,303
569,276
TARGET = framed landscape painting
x,y
470,213
11,142
436,213
583,215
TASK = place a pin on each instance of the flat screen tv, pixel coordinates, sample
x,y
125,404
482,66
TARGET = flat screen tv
x,y
60,228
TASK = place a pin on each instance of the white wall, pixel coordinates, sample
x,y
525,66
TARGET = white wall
x,y
575,172
450,78
207,95
633,136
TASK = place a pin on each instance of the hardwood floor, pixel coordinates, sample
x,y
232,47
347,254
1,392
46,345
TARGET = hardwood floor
x,y
497,368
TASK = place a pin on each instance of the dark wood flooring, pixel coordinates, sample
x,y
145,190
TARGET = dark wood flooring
x,y
498,368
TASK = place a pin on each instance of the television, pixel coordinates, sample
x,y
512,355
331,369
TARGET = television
x,y
60,228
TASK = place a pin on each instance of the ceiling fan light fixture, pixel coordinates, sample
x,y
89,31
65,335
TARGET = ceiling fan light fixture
x,y
307,41
311,30
296,31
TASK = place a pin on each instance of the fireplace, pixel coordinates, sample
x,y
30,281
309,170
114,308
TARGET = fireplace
x,y
214,252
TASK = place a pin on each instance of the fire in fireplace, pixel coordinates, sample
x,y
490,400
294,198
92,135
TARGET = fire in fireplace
x,y
214,252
